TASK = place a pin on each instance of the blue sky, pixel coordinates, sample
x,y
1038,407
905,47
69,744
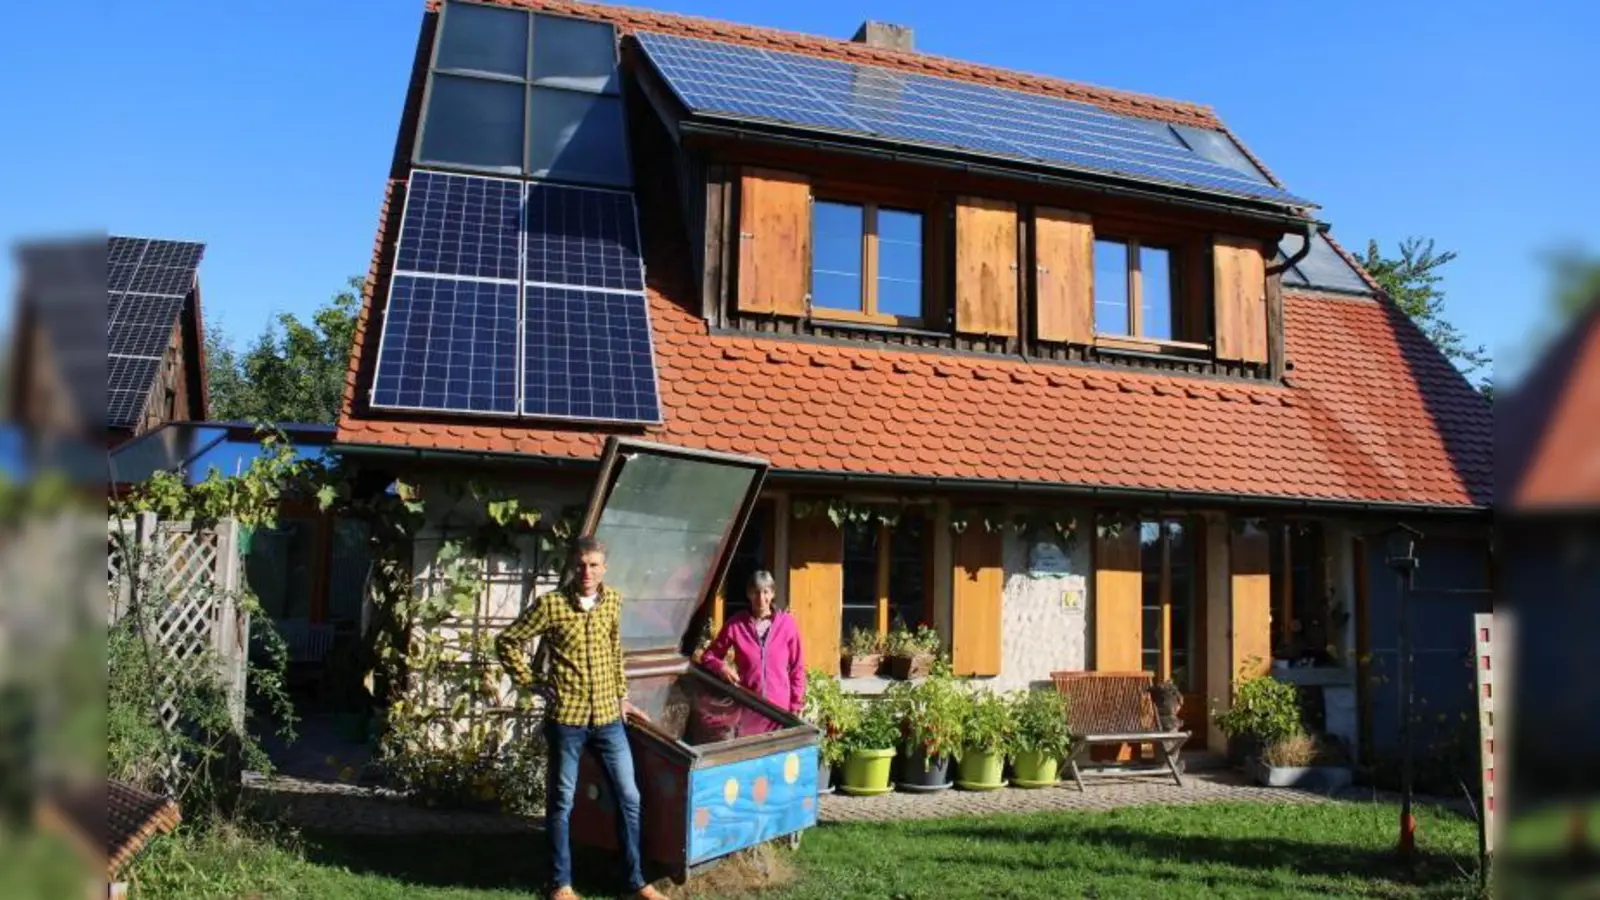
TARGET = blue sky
x,y
265,129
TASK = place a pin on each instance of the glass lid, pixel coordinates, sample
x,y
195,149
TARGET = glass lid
x,y
669,519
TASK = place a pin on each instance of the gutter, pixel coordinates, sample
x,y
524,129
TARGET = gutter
x,y
1109,184
945,484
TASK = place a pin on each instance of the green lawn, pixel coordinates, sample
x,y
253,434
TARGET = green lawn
x,y
1324,850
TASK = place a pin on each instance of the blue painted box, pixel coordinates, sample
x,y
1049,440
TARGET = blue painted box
x,y
718,768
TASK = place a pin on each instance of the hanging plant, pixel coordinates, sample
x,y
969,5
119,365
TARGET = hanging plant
x,y
1111,526
1248,525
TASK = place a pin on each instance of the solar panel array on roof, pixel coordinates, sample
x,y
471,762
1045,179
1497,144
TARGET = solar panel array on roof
x,y
792,89
517,299
147,283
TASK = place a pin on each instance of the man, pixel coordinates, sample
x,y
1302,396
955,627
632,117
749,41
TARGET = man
x,y
586,704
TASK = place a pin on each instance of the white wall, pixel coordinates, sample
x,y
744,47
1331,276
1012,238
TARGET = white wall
x,y
1040,633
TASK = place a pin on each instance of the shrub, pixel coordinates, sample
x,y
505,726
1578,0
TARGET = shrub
x,y
833,711
932,716
1040,718
878,728
989,726
864,642
1265,711
1294,751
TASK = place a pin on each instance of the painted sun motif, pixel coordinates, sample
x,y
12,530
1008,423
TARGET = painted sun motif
x,y
702,818
730,791
791,768
759,790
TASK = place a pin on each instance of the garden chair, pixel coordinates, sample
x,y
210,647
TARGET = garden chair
x,y
1115,708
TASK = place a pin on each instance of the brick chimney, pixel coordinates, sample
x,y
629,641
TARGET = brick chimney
x,y
885,34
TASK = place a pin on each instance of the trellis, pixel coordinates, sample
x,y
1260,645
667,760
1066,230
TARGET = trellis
x,y
191,576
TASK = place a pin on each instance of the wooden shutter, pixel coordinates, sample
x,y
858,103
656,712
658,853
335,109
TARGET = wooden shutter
x,y
1250,613
986,267
816,588
977,593
1240,295
774,242
1064,247
1118,602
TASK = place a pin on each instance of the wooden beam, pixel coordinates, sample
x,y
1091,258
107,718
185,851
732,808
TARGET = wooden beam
x,y
883,579
1363,617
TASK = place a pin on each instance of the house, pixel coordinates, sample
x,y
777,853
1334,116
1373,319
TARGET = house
x,y
1549,486
155,345
1063,371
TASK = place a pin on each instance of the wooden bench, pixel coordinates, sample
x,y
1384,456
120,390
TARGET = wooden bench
x,y
1115,708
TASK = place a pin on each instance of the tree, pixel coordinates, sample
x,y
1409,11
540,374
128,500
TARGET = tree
x,y
294,372
1574,281
1412,281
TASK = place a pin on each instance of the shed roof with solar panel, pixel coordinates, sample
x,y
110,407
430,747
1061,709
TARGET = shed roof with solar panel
x,y
149,281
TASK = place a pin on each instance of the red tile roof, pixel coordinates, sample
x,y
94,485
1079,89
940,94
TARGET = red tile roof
x,y
1371,412
1374,415
1549,445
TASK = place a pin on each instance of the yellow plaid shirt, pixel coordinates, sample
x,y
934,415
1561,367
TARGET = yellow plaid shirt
x,y
585,652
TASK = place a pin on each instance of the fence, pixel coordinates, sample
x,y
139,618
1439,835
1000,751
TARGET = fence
x,y
191,577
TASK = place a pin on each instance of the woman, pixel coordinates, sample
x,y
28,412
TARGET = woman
x,y
767,655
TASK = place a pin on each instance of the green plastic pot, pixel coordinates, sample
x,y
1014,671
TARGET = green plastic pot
x,y
1035,769
980,771
866,772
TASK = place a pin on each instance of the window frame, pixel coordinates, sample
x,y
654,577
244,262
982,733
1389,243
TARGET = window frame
x,y
529,84
1177,253
871,204
1193,640
883,565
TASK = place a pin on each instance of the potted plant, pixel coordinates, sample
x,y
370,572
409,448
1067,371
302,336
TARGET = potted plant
x,y
834,713
911,653
987,732
1264,712
1304,761
869,750
863,654
1168,700
1042,738
932,717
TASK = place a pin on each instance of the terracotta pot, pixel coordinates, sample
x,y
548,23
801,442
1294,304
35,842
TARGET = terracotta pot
x,y
906,668
861,666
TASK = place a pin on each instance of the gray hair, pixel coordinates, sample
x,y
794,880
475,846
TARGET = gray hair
x,y
584,546
761,578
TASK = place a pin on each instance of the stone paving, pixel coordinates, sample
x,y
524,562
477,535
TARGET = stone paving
x,y
308,794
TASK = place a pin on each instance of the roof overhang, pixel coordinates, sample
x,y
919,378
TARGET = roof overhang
x,y
1029,490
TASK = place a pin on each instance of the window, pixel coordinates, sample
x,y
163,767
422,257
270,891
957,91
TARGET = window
x,y
529,94
753,554
1168,551
1133,290
887,573
1299,603
866,263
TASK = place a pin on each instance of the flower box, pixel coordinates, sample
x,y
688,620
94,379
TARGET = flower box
x,y
860,666
1325,779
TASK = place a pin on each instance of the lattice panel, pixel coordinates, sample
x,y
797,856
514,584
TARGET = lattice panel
x,y
188,577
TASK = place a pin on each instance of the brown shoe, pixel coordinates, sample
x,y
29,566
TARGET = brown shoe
x,y
649,893
565,892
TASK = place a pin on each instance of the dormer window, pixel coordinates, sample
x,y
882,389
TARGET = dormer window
x,y
866,263
1133,290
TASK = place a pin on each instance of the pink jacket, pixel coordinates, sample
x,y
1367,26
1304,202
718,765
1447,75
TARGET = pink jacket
x,y
777,671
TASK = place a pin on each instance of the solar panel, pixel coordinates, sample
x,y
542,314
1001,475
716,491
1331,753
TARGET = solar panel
x,y
873,101
151,266
460,225
583,237
147,281
587,355
448,345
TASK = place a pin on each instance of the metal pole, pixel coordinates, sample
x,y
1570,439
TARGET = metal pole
x,y
1408,823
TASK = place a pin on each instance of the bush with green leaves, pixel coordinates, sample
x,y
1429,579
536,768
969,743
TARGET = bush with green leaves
x,y
904,642
932,716
1040,718
877,729
989,726
1264,711
832,711
864,642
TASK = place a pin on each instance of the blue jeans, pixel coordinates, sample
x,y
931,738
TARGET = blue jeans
x,y
610,742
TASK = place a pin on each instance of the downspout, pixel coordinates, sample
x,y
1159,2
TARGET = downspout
x,y
1310,230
